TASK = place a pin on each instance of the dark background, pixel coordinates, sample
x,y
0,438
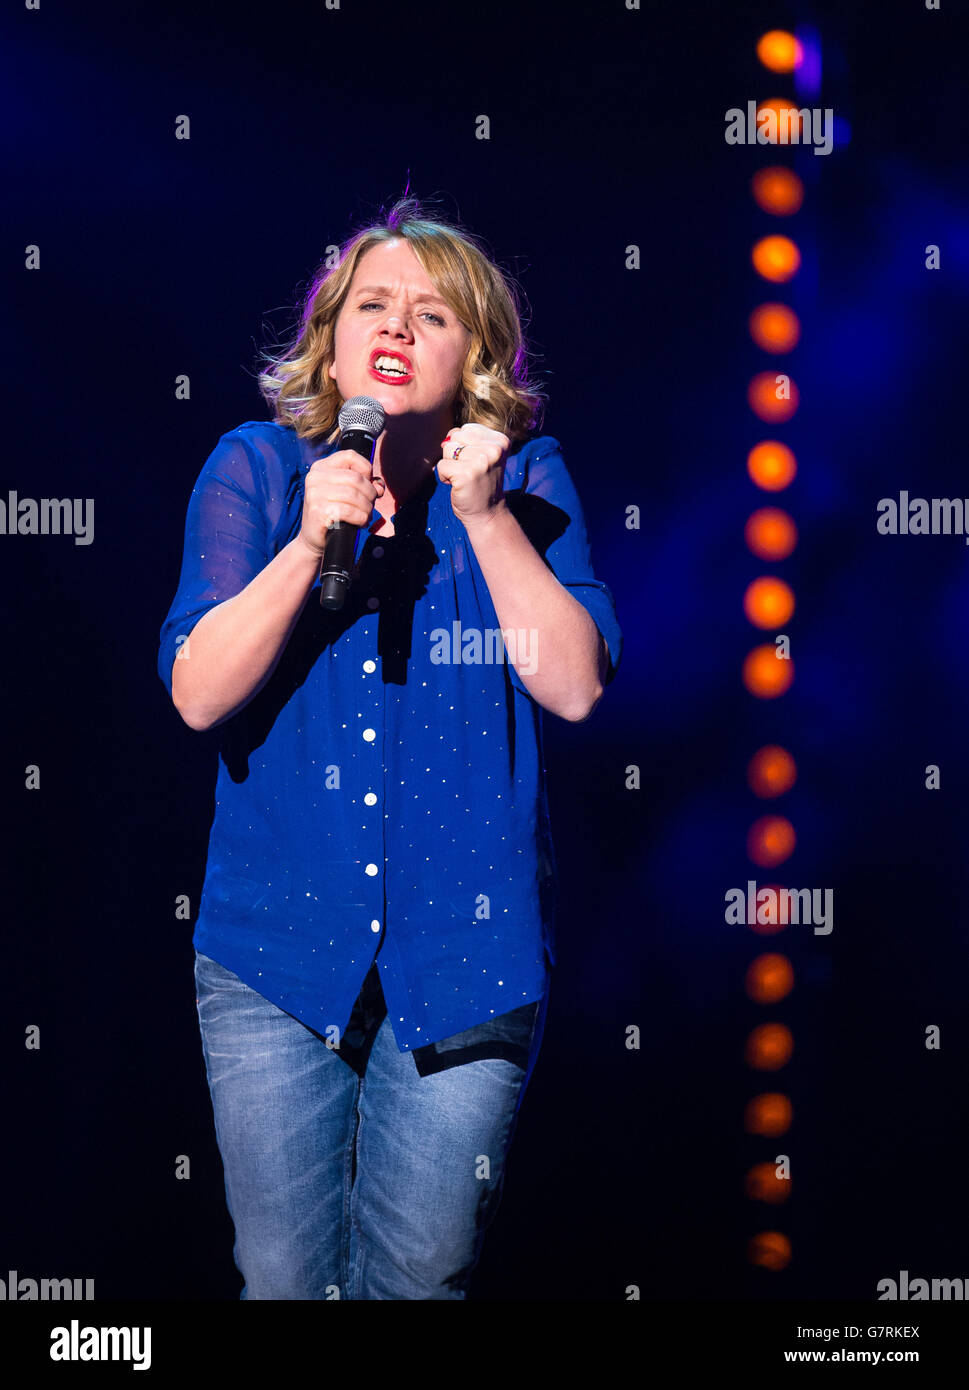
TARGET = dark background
x,y
161,257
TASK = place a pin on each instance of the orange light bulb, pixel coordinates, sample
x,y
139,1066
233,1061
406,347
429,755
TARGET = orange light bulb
x,y
770,533
769,1047
776,258
772,400
787,125
770,1250
780,51
771,771
771,465
763,1185
777,190
775,327
770,840
768,602
765,674
770,977
769,1114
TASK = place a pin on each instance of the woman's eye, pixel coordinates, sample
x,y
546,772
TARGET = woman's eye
x,y
376,304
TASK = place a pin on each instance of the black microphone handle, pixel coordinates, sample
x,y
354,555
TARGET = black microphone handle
x,y
341,537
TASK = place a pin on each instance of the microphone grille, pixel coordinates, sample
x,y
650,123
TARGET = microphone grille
x,y
362,413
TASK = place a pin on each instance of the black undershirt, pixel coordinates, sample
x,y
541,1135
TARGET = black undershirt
x,y
508,1036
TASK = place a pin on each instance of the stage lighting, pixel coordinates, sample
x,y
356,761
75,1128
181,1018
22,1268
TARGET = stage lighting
x,y
771,465
777,190
770,840
763,1185
769,1114
773,400
769,977
771,771
787,126
770,534
769,1047
769,1250
776,258
768,602
775,327
765,674
771,915
780,51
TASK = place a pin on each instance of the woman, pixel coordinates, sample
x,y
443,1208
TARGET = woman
x,y
374,941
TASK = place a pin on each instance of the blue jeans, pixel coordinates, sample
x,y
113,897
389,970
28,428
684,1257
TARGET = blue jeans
x,y
372,1185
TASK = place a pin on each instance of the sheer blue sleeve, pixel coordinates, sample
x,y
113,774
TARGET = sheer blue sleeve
x,y
557,529
225,542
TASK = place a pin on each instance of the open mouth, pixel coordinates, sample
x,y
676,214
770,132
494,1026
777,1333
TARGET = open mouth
x,y
390,366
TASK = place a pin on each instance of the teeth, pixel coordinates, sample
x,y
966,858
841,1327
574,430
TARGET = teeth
x,y
390,364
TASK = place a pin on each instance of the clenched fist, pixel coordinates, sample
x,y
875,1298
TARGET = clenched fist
x,y
474,467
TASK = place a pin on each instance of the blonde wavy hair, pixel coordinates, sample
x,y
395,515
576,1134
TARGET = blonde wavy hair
x,y
496,386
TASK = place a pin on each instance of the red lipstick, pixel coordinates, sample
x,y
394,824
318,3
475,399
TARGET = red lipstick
x,y
391,378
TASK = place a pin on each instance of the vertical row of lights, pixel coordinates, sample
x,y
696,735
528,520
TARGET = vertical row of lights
x,y
771,536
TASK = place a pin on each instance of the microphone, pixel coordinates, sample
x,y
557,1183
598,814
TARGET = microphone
x,y
361,420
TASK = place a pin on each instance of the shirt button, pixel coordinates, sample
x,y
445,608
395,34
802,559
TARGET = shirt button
x,y
369,666
369,735
375,925
378,550
371,799
373,602
371,869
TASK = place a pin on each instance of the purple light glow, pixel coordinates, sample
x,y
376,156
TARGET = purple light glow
x,y
807,75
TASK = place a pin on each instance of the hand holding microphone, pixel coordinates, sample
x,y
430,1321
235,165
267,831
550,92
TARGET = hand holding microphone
x,y
339,496
337,488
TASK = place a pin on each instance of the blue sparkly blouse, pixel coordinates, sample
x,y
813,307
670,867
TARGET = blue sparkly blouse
x,y
383,796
